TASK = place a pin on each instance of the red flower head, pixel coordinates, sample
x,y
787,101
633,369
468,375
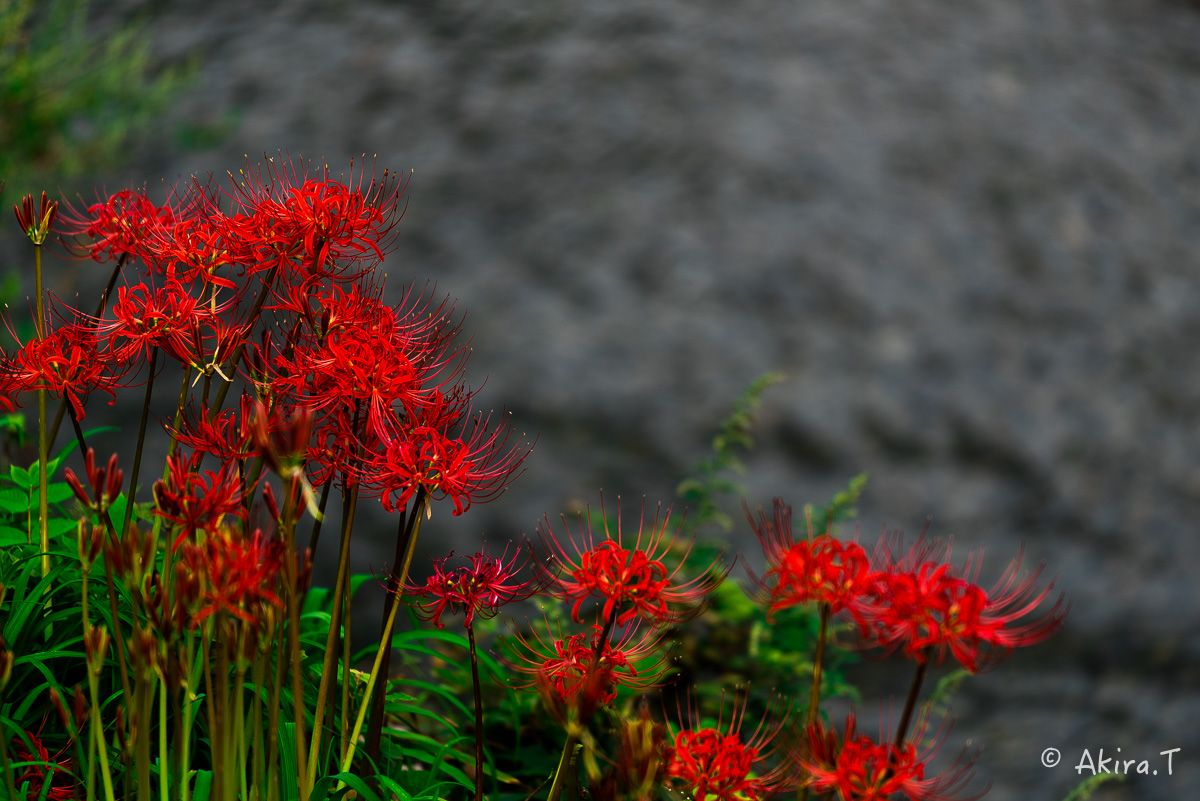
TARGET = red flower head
x,y
122,225
570,677
820,569
632,581
320,219
926,608
66,362
44,770
714,762
191,502
145,319
860,769
481,588
472,466
234,574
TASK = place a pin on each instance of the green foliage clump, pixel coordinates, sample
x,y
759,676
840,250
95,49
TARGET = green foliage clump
x,y
69,101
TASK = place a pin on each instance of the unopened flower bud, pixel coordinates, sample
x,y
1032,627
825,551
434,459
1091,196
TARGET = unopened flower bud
x,y
6,664
36,223
57,702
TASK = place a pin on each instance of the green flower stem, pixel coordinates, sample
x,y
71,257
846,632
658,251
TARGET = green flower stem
x,y
43,445
292,578
214,724
385,645
189,699
118,634
97,730
478,714
143,701
814,695
164,762
226,755
405,541
273,790
344,729
258,671
169,561
564,764
328,671
421,507
362,710
8,774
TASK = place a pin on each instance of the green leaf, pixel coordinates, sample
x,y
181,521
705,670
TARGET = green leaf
x,y
59,492
58,526
15,501
20,477
13,536
1088,786
321,788
203,787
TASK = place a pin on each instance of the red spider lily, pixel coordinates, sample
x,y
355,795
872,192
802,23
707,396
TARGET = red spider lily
x,y
337,447
326,220
34,777
714,762
473,467
36,223
860,769
478,589
188,500
66,362
632,581
566,672
145,319
927,609
234,574
208,344
354,365
122,225
225,436
198,247
820,569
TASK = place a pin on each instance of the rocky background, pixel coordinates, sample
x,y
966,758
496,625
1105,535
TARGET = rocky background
x,y
968,233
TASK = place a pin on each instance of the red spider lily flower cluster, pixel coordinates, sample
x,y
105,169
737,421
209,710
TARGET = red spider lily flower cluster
x,y
631,581
55,772
68,362
480,588
924,608
908,600
194,502
234,574
581,673
715,761
284,251
859,768
821,569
